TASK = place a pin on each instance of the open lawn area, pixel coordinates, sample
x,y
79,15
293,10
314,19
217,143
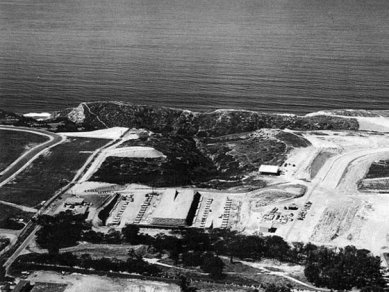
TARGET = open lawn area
x,y
50,172
15,143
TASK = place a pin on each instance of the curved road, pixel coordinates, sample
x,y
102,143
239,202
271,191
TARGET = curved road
x,y
27,158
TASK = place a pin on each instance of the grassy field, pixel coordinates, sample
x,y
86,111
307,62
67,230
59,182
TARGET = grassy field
x,y
50,172
7,212
14,143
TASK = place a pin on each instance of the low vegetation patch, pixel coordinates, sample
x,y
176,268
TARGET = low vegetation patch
x,y
319,161
378,169
14,143
13,218
292,139
184,164
374,185
236,156
49,172
49,287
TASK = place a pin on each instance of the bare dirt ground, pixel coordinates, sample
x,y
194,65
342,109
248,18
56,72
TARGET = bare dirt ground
x,y
340,214
111,133
93,283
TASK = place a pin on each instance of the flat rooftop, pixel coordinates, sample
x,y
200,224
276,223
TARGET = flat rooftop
x,y
174,204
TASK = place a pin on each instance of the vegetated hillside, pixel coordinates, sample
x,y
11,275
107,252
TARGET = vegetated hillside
x,y
58,124
184,164
219,162
9,118
99,115
204,124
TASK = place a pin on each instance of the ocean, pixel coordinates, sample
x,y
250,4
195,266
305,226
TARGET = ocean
x,y
293,56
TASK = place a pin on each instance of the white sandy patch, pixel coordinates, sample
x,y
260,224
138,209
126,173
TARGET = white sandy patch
x,y
378,124
136,152
111,133
320,113
38,116
87,187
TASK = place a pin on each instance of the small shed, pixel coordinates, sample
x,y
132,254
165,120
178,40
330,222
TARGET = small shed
x,y
269,169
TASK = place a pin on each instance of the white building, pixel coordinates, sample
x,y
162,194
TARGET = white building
x,y
269,169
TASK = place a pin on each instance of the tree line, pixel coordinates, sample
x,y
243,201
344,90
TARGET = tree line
x,y
85,261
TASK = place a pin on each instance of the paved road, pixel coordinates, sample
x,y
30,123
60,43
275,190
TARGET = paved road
x,y
26,159
21,247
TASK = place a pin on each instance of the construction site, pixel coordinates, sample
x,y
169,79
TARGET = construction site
x,y
329,189
301,201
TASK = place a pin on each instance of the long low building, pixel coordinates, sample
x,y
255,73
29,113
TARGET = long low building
x,y
269,169
176,208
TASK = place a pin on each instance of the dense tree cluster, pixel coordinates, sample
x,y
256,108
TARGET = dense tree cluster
x,y
213,265
343,268
59,231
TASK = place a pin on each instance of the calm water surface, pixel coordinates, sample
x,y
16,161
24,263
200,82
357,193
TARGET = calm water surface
x,y
275,55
